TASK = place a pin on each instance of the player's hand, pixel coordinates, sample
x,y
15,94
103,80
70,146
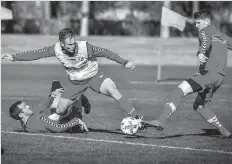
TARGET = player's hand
x,y
130,65
202,58
8,57
57,92
83,125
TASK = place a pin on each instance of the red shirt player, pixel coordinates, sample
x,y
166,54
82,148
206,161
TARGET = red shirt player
x,y
35,119
212,56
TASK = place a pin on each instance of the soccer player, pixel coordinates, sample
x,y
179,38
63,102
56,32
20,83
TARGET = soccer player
x,y
212,56
75,108
79,59
36,119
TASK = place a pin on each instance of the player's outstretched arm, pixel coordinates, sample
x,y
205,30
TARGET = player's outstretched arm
x,y
31,55
102,52
59,128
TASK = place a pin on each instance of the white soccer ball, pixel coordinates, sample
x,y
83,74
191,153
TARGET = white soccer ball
x,y
129,125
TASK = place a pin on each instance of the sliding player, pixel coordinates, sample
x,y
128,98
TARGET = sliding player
x,y
36,119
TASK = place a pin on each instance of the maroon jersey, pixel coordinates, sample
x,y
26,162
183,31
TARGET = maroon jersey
x,y
214,45
80,67
39,121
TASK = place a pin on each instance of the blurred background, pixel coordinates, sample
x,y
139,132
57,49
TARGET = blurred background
x,y
132,29
122,18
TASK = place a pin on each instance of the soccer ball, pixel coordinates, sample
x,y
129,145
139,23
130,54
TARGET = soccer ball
x,y
129,125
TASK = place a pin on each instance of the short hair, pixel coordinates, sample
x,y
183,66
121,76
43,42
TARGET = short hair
x,y
203,14
15,110
65,33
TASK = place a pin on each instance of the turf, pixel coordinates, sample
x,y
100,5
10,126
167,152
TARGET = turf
x,y
187,139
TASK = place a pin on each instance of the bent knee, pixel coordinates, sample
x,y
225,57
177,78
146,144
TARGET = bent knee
x,y
108,87
63,105
186,88
197,106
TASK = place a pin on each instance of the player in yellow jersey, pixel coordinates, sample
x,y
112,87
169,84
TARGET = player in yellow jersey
x,y
79,59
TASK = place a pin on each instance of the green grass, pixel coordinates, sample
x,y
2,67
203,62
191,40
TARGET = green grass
x,y
187,139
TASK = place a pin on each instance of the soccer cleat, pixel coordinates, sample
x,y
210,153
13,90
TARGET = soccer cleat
x,y
225,132
154,123
87,108
56,85
139,119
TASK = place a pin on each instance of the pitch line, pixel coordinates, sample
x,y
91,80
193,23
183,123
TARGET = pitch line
x,y
123,142
109,99
167,82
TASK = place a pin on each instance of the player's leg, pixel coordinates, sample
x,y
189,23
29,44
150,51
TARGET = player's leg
x,y
69,96
200,105
55,85
109,88
86,104
106,86
75,110
187,87
63,105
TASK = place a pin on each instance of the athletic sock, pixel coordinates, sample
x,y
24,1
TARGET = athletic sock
x,y
126,106
212,119
170,107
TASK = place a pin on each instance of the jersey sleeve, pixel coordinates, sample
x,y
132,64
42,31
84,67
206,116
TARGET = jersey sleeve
x,y
59,128
204,43
94,51
35,54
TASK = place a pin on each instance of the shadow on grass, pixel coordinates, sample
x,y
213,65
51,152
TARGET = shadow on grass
x,y
174,79
207,132
116,131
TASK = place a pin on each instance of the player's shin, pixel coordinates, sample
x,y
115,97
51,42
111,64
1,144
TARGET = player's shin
x,y
211,118
126,106
172,104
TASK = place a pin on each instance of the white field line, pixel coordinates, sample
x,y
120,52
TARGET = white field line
x,y
123,142
109,99
168,82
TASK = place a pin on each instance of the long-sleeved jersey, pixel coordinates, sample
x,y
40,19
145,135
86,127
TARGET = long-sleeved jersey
x,y
80,67
39,121
214,45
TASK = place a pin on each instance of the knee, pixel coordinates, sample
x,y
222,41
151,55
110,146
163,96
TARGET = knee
x,y
197,106
186,88
63,105
114,92
199,102
109,88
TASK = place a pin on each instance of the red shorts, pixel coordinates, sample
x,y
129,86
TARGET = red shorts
x,y
76,90
209,82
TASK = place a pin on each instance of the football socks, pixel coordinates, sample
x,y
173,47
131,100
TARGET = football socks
x,y
212,119
173,102
126,106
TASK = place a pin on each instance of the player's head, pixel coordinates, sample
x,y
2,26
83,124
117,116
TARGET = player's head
x,y
19,109
67,40
202,18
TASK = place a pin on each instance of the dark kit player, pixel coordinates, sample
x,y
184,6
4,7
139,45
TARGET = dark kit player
x,y
212,56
